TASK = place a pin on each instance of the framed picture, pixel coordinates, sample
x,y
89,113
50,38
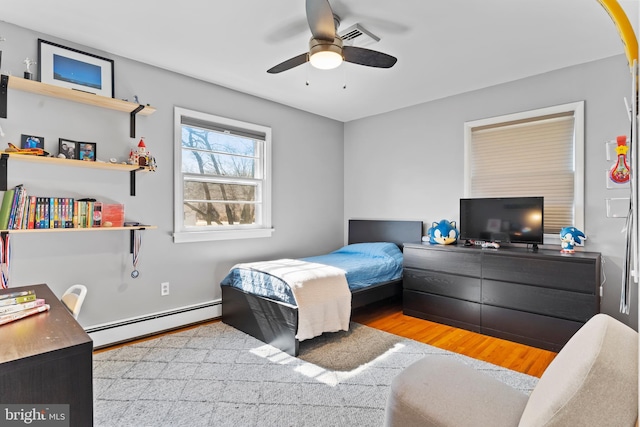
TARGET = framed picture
x,y
71,68
86,151
68,148
31,141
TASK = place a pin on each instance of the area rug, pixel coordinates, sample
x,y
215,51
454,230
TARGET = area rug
x,y
347,350
215,375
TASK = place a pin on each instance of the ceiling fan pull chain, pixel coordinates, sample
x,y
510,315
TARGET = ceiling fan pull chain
x,y
344,76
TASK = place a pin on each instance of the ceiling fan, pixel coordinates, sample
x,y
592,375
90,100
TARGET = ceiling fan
x,y
326,50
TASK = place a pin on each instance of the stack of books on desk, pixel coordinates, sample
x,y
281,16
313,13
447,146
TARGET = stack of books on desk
x,y
16,305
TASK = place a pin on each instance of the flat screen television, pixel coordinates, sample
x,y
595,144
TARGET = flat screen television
x,y
503,220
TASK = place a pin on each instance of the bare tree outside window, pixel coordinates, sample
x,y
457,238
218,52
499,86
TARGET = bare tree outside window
x,y
223,174
212,154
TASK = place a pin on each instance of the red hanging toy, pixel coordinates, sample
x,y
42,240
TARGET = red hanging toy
x,y
620,171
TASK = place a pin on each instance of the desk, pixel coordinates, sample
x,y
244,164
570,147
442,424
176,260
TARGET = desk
x,y
47,358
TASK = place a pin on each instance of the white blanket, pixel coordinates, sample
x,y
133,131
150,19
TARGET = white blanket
x,y
321,292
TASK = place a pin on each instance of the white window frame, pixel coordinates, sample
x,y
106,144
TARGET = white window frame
x,y
577,109
263,228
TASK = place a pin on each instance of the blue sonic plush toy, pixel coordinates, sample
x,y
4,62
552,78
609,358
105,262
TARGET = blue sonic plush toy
x,y
570,237
443,233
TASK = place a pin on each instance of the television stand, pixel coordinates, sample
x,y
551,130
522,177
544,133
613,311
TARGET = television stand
x,y
536,298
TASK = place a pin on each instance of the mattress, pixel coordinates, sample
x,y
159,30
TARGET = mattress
x,y
364,264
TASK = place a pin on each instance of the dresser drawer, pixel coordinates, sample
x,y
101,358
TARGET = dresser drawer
x,y
553,302
466,263
450,311
536,330
578,275
449,285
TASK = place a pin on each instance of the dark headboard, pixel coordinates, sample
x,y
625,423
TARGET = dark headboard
x,y
398,232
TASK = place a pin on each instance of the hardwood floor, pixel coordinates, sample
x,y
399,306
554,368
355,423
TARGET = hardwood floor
x,y
388,317
514,356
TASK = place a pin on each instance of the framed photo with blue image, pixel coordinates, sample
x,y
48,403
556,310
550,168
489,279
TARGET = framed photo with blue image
x,y
86,151
74,69
31,141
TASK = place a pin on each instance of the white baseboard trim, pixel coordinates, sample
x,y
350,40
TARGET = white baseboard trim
x,y
124,330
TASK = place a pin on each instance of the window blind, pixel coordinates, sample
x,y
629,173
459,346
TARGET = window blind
x,y
530,157
226,129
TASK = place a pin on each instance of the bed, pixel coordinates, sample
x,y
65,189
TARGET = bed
x,y
275,321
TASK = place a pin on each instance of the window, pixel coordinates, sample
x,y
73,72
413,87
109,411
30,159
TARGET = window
x,y
535,153
222,178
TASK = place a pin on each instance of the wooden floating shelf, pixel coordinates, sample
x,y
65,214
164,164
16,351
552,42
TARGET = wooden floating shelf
x,y
50,230
77,96
74,163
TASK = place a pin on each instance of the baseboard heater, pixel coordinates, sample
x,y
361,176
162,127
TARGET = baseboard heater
x,y
109,334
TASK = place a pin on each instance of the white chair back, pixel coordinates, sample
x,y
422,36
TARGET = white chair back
x,y
73,298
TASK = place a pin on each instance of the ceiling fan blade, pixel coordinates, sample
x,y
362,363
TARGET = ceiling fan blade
x,y
289,63
368,57
320,19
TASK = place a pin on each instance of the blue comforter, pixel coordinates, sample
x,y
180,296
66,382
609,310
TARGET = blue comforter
x,y
365,264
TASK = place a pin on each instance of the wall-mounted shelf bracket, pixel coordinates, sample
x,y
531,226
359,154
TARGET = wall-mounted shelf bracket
x,y
132,180
4,171
132,125
4,88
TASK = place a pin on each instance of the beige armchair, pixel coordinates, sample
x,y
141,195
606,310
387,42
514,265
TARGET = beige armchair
x,y
593,381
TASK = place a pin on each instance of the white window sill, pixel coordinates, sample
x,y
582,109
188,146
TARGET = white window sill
x,y
205,236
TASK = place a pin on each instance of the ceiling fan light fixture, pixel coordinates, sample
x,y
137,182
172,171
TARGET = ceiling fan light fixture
x,y
325,55
326,60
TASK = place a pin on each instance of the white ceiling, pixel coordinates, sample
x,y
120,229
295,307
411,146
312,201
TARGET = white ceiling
x,y
443,47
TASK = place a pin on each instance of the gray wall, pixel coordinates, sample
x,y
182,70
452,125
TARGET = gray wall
x,y
307,189
407,164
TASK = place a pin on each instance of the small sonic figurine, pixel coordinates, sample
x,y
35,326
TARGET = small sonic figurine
x,y
443,233
570,237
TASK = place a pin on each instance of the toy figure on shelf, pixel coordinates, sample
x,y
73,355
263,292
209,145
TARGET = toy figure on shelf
x,y
139,157
443,233
28,151
151,163
28,74
620,171
570,237
142,157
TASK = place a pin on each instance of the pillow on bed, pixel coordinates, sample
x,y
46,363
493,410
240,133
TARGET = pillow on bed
x,y
374,250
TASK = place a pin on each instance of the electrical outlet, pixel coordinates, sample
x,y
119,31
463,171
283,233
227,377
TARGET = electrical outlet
x,y
164,289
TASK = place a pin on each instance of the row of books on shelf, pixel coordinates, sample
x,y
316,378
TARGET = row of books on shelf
x,y
17,305
20,211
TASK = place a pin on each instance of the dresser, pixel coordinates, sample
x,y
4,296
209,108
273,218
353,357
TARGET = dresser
x,y
539,298
47,358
